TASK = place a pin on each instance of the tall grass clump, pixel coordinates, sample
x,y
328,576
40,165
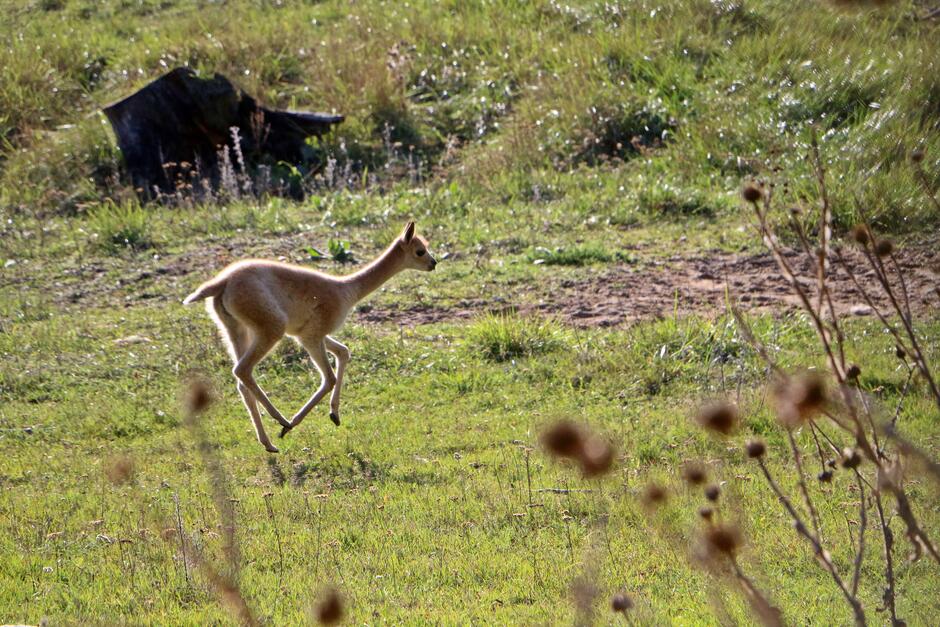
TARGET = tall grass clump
x,y
581,255
503,337
57,173
118,227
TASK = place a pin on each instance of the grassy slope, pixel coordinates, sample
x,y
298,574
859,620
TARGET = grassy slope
x,y
523,90
424,478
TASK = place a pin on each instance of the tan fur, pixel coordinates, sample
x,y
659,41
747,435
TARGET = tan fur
x,y
255,303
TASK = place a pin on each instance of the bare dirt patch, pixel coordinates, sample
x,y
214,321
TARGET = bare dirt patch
x,y
683,285
595,296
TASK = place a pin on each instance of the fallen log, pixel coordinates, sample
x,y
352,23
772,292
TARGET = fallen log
x,y
176,128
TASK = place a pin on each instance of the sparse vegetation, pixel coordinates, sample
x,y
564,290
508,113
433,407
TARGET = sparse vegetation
x,y
575,256
338,251
120,227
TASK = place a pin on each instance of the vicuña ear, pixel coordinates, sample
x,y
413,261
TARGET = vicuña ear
x,y
408,233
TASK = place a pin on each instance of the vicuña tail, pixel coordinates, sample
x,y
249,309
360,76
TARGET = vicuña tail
x,y
206,290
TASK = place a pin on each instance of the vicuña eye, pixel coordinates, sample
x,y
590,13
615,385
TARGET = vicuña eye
x,y
420,253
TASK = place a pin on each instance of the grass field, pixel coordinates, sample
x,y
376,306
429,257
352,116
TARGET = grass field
x,y
547,150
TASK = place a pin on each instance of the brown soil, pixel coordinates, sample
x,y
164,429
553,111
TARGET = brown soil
x,y
686,285
597,296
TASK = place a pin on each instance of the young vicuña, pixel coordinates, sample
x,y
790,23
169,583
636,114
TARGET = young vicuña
x,y
255,303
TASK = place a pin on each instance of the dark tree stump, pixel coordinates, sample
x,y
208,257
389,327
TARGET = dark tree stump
x,y
178,124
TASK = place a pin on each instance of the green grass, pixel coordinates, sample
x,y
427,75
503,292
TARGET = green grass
x,y
624,143
502,337
575,256
417,506
119,227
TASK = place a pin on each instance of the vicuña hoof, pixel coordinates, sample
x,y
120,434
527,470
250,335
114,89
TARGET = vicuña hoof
x,y
284,431
271,448
334,417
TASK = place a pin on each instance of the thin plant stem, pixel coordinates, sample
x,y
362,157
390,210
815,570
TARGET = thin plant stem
x,y
801,480
818,550
921,175
182,536
769,615
862,523
907,387
888,537
277,535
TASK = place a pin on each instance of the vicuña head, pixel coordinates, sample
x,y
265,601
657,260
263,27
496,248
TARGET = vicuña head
x,y
255,303
415,249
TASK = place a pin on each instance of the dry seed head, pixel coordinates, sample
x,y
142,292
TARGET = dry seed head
x,y
723,539
917,155
569,440
329,610
853,372
119,469
755,448
799,399
850,458
860,234
899,352
721,417
597,457
198,396
706,512
825,476
712,492
564,439
751,193
621,603
654,495
811,393
884,248
694,473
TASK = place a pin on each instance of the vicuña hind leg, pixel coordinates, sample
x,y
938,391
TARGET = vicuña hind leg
x,y
237,340
317,351
252,406
261,343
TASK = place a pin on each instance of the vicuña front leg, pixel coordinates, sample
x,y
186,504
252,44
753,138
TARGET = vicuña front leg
x,y
317,352
342,358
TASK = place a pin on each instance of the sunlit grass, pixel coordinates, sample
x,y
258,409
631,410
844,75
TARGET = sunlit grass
x,y
501,337
699,94
619,146
426,476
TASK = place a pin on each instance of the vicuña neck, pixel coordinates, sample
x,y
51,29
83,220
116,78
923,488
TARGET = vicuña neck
x,y
373,276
